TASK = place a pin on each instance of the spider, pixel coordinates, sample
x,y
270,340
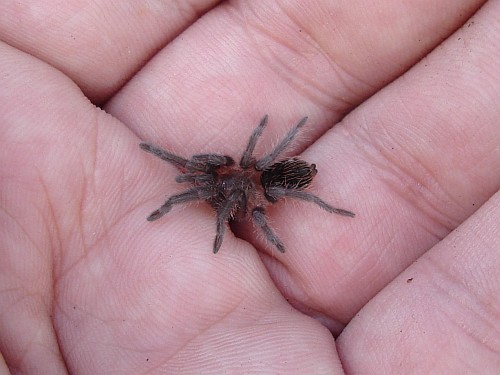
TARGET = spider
x,y
235,191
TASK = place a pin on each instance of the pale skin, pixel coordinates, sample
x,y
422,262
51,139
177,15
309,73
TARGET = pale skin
x,y
409,286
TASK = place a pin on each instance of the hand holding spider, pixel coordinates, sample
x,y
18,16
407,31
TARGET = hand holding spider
x,y
87,286
236,191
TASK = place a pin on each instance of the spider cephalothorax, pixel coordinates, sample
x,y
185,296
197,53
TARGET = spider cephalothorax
x,y
235,191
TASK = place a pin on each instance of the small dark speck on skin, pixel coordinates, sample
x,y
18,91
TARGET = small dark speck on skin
x,y
147,359
409,280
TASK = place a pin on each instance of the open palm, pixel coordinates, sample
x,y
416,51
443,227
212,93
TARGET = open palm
x,y
410,285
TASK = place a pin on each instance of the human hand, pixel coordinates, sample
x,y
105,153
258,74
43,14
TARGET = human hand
x,y
89,286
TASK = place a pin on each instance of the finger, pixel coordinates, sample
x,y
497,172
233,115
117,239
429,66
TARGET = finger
x,y
412,163
442,314
243,60
99,45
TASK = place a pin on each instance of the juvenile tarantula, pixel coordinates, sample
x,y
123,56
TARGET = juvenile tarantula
x,y
235,191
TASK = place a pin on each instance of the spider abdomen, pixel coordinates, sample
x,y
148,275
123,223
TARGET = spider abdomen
x,y
290,173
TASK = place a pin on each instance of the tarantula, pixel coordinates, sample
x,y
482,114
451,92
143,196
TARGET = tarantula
x,y
235,191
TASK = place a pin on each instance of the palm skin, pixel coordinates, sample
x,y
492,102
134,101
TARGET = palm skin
x,y
408,286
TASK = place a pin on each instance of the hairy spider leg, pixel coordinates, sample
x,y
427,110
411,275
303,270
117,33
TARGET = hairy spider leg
x,y
247,159
208,162
164,155
189,195
200,178
269,159
224,213
280,192
259,218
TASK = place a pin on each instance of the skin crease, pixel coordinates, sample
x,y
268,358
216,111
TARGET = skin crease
x,y
409,286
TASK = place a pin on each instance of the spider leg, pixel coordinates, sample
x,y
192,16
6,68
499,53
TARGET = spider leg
x,y
259,218
224,213
247,160
267,160
278,192
186,196
199,178
207,162
164,155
